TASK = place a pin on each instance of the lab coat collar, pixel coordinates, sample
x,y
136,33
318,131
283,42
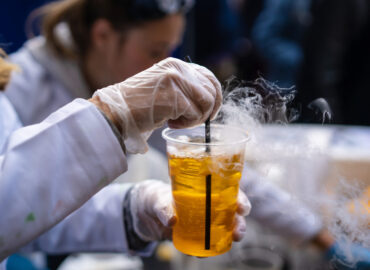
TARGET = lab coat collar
x,y
67,71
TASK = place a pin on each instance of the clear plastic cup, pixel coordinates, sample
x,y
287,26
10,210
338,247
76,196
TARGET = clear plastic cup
x,y
205,183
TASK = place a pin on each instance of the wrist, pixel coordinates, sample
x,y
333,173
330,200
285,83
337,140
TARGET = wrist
x,y
134,241
104,108
111,124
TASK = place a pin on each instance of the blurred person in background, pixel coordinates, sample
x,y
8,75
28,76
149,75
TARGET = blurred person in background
x,y
218,36
320,46
336,63
278,34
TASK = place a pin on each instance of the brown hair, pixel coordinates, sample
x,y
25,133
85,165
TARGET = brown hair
x,y
81,14
5,70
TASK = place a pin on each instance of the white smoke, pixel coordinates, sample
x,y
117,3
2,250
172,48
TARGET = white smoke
x,y
349,221
295,159
256,102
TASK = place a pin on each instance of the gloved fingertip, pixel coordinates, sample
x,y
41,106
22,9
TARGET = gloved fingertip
x,y
172,221
244,205
177,123
167,217
173,124
238,235
240,228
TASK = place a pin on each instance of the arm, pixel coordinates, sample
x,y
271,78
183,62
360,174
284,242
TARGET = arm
x,y
56,166
97,226
275,208
60,163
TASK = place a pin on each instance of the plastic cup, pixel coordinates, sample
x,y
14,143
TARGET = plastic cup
x,y
205,186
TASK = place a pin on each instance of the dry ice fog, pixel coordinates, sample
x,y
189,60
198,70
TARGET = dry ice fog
x,y
295,161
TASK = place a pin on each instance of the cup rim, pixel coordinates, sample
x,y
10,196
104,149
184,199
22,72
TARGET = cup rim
x,y
169,139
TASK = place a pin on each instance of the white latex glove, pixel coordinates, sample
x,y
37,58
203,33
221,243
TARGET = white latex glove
x,y
153,214
181,93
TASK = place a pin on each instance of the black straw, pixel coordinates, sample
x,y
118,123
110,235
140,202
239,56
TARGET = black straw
x,y
208,190
208,135
207,238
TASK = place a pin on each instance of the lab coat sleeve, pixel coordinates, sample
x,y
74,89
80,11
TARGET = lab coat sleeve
x,y
50,169
277,210
96,226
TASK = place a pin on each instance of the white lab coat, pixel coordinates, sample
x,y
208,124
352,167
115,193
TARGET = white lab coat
x,y
51,169
47,82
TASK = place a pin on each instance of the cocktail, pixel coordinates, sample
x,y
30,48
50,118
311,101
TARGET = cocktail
x,y
205,183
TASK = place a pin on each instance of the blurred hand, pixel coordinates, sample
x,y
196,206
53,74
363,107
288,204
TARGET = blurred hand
x,y
243,209
153,214
184,94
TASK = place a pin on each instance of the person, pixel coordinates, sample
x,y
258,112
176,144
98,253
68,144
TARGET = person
x,y
91,44
50,169
70,61
88,45
278,34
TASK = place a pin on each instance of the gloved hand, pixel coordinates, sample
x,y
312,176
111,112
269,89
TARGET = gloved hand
x,y
346,256
184,94
153,215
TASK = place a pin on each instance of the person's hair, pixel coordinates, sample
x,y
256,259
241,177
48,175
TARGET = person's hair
x,y
6,69
81,14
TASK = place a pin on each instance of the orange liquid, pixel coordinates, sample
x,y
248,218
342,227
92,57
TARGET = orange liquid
x,y
188,176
